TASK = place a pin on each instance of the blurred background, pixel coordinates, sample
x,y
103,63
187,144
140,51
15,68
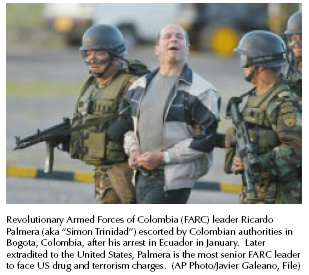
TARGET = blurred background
x,y
45,72
208,24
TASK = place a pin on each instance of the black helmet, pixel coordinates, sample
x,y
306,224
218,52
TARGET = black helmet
x,y
104,37
261,48
294,25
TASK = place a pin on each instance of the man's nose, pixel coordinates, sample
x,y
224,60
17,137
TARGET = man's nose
x,y
297,44
174,38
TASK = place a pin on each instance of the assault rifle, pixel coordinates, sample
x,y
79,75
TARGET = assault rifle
x,y
244,148
56,135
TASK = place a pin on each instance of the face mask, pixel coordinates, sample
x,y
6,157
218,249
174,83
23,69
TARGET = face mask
x,y
296,41
96,57
292,44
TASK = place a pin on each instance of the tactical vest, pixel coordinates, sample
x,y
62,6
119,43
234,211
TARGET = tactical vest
x,y
91,144
257,115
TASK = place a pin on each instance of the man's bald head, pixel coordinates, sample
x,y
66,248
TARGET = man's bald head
x,y
172,46
166,28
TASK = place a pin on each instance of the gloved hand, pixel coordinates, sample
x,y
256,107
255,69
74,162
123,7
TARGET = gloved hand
x,y
63,144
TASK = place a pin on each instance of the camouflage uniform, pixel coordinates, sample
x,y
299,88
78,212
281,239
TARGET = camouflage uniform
x,y
274,122
97,109
92,145
294,27
295,81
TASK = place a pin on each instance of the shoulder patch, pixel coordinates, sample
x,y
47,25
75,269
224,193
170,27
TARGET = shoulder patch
x,y
289,119
287,111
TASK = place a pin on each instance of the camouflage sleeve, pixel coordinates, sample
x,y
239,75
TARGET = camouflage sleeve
x,y
286,120
230,150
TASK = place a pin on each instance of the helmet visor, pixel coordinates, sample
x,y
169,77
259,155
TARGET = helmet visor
x,y
244,61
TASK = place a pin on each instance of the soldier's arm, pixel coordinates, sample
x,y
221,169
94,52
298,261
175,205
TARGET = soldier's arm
x,y
286,121
118,128
230,150
124,124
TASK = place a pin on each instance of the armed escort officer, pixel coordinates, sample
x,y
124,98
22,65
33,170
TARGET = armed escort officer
x,y
103,51
274,120
294,39
166,105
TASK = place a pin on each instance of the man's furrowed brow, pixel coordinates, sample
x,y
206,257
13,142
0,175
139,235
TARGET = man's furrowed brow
x,y
178,34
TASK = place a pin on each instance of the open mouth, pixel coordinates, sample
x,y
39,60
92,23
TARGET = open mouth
x,y
173,48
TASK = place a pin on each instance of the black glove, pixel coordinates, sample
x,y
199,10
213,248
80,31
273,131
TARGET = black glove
x,y
118,128
64,144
